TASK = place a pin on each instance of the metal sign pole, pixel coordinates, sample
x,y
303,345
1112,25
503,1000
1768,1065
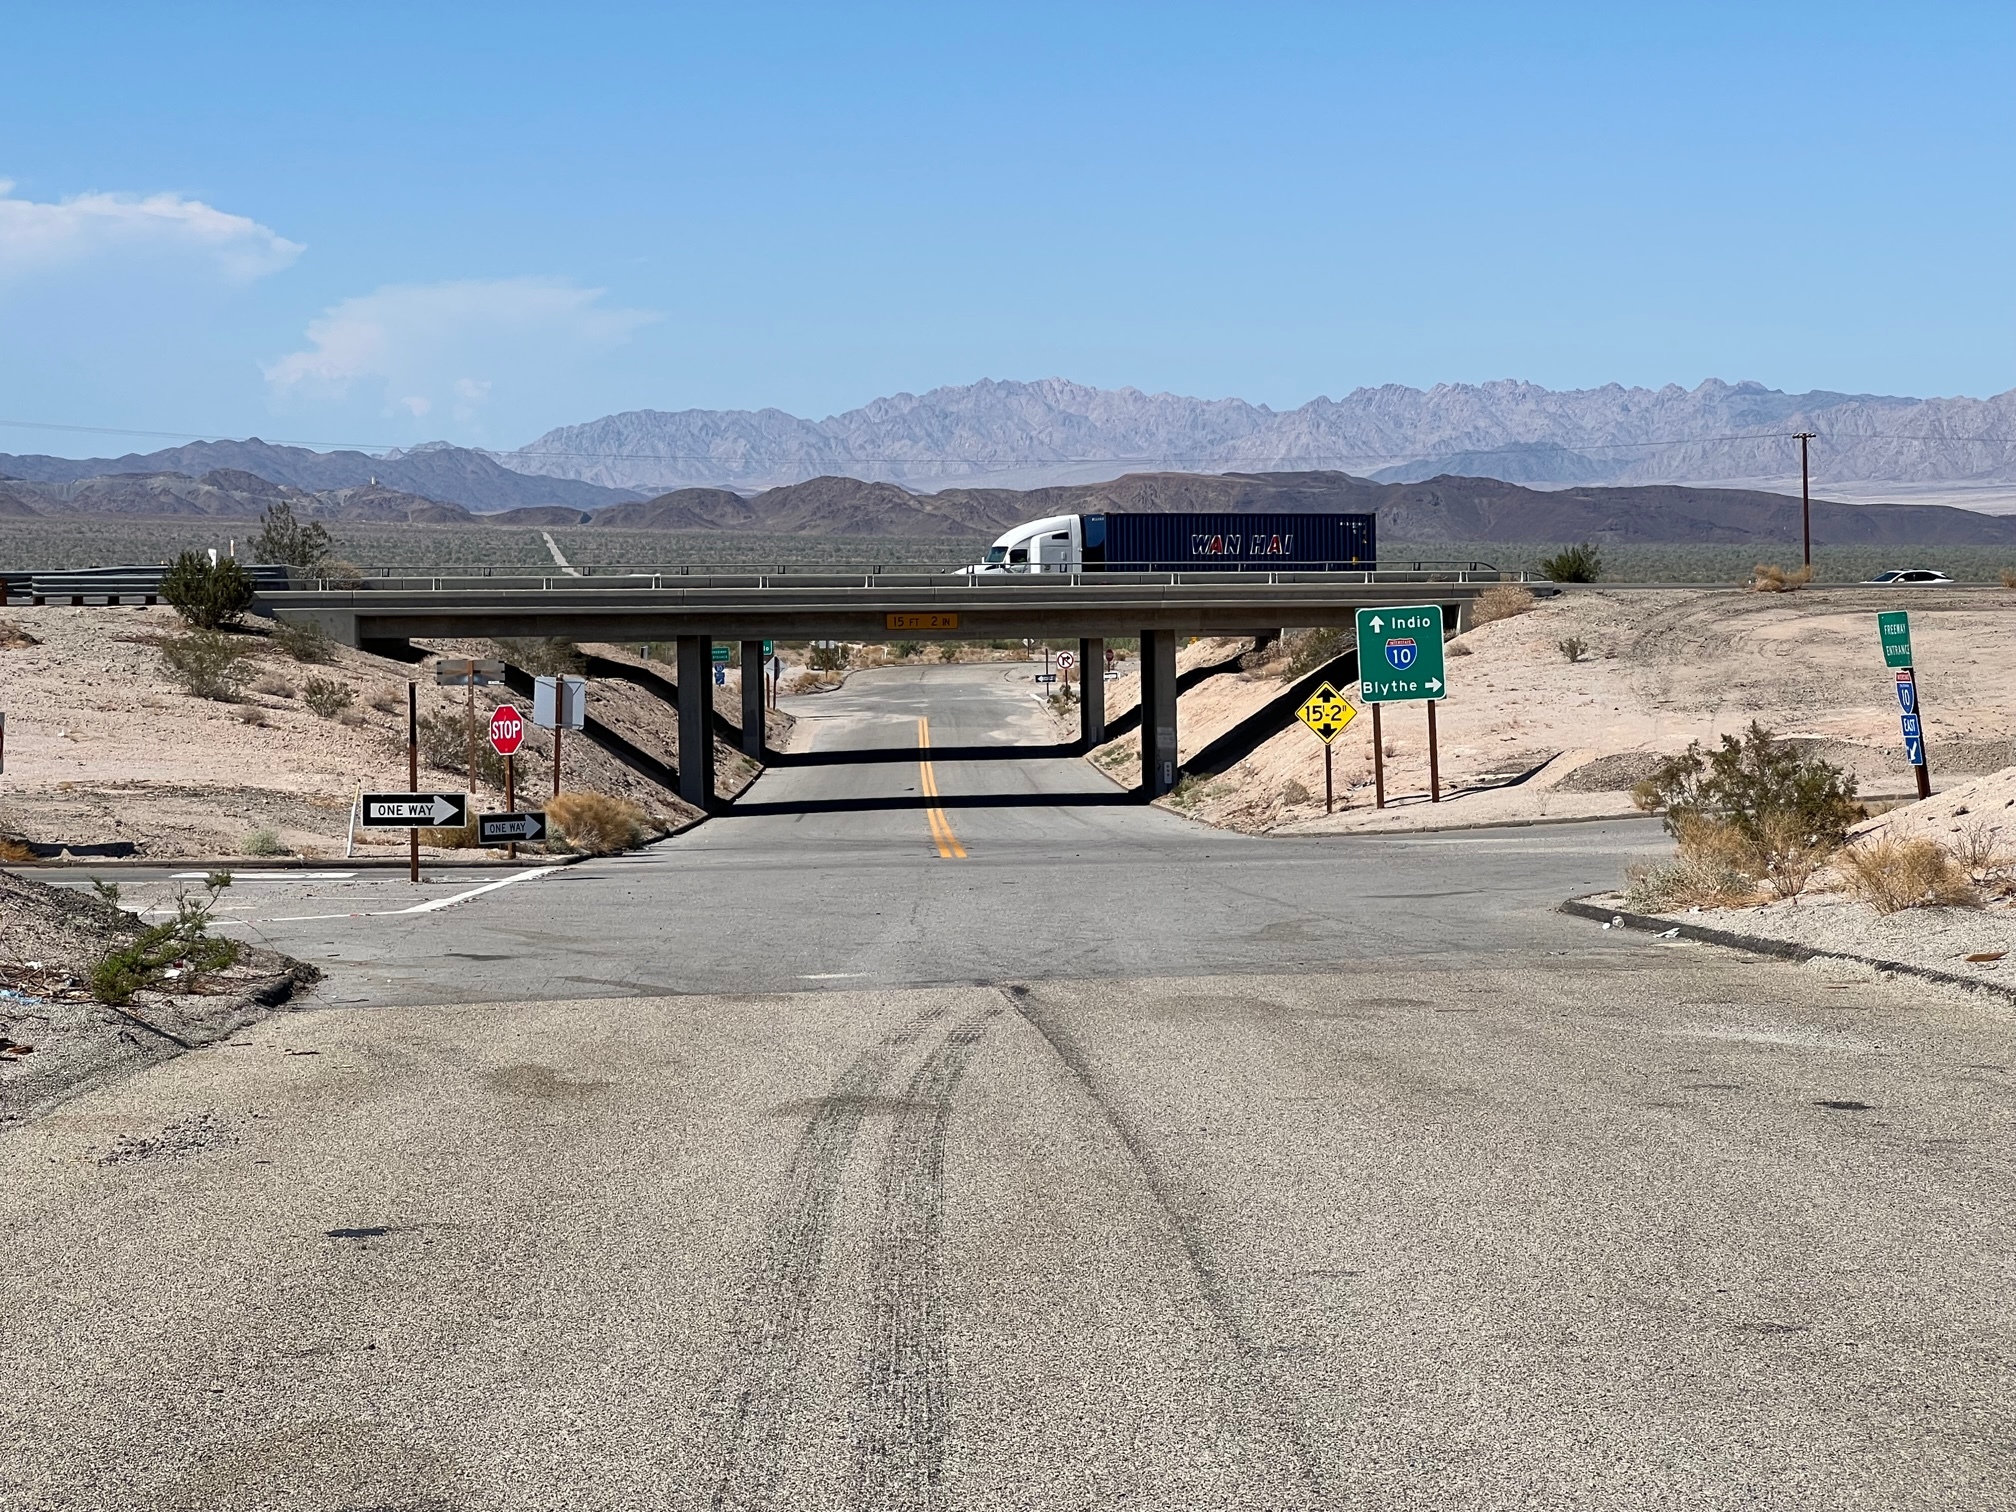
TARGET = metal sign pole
x,y
1922,771
472,729
412,775
1378,762
1329,791
559,723
1434,768
511,798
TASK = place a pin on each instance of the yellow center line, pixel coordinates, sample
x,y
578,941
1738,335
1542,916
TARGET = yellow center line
x,y
941,827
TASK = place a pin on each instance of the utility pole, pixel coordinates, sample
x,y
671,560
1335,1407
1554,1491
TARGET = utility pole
x,y
1806,495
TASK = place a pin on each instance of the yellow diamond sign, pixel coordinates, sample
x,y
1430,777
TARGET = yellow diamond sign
x,y
1326,713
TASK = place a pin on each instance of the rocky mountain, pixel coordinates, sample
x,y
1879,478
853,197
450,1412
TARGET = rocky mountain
x,y
450,474
1053,431
1438,509
226,493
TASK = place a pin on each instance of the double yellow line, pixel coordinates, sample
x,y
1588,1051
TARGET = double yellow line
x,y
941,827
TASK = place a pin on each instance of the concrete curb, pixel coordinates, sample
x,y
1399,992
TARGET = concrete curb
x,y
1783,950
286,863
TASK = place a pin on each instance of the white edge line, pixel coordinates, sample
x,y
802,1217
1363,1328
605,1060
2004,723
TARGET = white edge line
x,y
474,892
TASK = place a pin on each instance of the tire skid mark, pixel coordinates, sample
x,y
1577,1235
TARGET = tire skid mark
x,y
900,1442
1248,1351
758,1388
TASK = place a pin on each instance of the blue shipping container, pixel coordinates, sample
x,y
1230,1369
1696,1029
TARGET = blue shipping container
x,y
1202,542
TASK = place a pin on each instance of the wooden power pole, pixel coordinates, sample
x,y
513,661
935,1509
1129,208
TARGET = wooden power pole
x,y
1806,495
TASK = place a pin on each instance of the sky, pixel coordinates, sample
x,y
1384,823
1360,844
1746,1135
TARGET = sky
x,y
384,224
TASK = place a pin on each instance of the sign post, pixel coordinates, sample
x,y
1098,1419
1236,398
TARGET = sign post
x,y
412,775
1894,629
1327,714
559,703
1400,660
468,672
507,733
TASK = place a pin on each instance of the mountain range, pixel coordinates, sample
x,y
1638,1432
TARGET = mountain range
x,y
1054,431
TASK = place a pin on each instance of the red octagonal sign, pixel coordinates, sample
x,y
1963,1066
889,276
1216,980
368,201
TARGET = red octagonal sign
x,y
507,730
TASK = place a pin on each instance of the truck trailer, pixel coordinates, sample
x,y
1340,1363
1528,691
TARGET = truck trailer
x,y
1185,543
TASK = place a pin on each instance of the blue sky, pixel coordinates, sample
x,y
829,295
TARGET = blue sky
x,y
391,223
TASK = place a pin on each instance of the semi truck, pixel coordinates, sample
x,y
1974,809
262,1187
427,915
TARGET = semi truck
x,y
1185,543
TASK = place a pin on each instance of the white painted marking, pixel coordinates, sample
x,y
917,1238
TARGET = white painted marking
x,y
474,892
830,976
267,876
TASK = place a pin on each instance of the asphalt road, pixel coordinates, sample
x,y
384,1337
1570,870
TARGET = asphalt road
x,y
1327,1174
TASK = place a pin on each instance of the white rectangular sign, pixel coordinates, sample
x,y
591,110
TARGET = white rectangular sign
x,y
559,702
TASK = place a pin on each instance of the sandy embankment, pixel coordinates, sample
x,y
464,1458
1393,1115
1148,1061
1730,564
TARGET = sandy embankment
x,y
1660,668
103,747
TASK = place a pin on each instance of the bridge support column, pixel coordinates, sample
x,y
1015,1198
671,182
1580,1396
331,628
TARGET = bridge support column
x,y
1091,693
1158,713
696,720
753,702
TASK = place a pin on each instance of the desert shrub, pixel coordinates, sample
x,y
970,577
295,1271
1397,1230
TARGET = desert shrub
x,y
1293,792
15,850
1767,579
209,596
1890,875
2008,578
305,641
288,542
1501,601
445,740
1457,648
1309,649
14,638
543,655
327,697
1769,809
386,703
1978,847
182,944
274,687
599,824
904,650
252,714
459,837
264,842
205,664
827,658
806,682
1574,648
949,651
1573,564
338,573
1687,882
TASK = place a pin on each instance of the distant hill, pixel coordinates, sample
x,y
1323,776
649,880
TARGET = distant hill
x,y
1031,434
449,474
1439,509
226,493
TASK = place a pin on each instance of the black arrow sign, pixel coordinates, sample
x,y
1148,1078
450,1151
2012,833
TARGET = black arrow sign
x,y
500,829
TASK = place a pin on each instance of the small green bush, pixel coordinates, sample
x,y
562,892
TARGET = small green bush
x,y
829,658
206,664
1574,648
264,842
182,944
543,656
327,697
1573,564
208,596
1309,649
444,745
305,641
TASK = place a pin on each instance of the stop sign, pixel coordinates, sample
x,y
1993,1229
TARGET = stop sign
x,y
507,730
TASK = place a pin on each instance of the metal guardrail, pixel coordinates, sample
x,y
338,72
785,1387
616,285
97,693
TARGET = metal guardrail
x,y
904,576
118,585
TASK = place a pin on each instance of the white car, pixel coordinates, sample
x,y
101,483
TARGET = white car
x,y
1908,577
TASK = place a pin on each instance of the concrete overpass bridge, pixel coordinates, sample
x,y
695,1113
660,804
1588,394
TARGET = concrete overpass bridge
x,y
694,611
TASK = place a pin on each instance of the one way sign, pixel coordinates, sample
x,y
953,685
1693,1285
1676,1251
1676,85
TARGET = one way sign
x,y
415,810
497,829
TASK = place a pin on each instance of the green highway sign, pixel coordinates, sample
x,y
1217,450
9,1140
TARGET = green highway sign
x,y
723,653
1400,654
769,649
1895,628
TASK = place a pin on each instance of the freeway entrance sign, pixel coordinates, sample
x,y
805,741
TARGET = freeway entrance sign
x,y
724,654
415,810
1895,628
500,829
1400,654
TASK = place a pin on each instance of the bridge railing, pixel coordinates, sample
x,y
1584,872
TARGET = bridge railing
x,y
892,575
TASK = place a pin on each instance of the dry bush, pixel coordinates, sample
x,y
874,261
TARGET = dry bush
x,y
1293,792
808,682
252,714
14,638
274,687
1978,848
1457,648
387,703
15,850
305,641
1501,602
327,697
600,824
1771,579
1306,650
1890,875
2008,578
1686,884
460,837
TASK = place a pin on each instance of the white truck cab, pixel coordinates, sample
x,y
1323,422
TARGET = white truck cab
x,y
1055,544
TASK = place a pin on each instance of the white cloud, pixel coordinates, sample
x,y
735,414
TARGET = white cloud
x,y
36,236
447,345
